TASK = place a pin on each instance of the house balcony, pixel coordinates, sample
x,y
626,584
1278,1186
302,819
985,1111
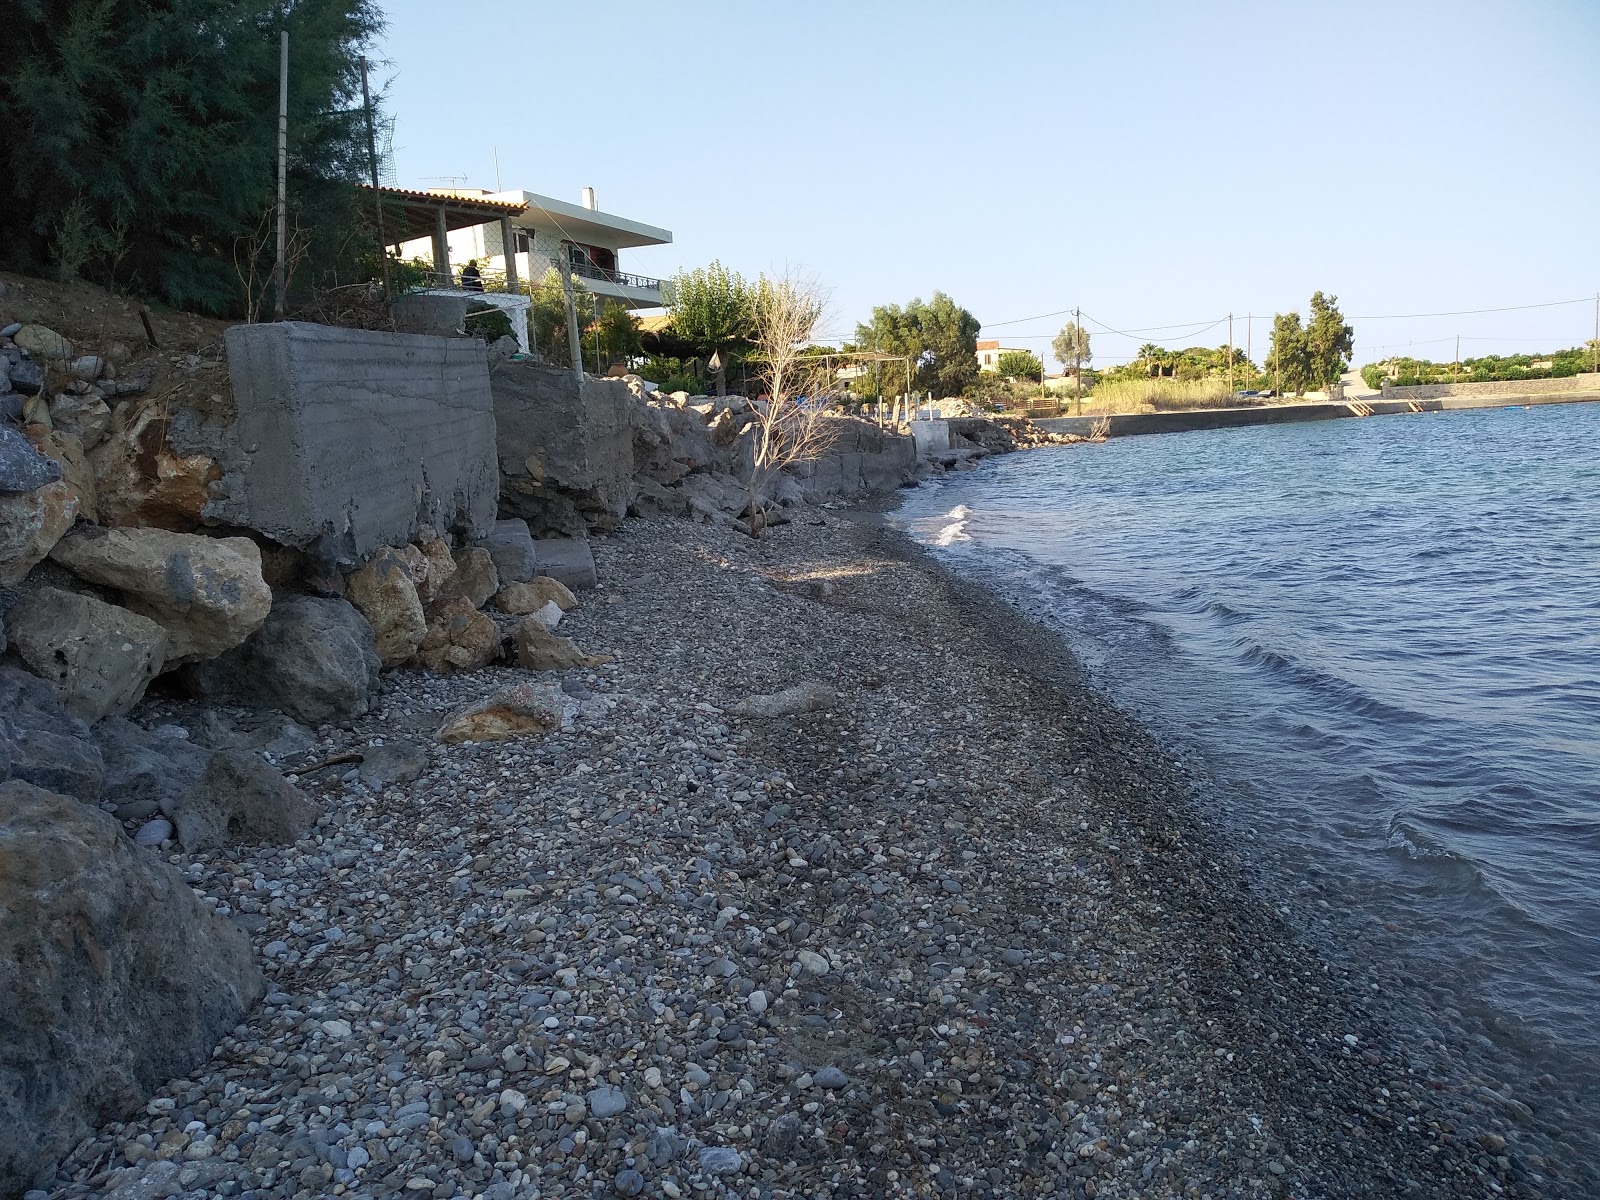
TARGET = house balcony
x,y
635,291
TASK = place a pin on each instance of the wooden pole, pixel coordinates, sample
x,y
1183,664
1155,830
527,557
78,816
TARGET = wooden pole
x,y
1230,356
572,312
1077,357
1249,328
377,195
1597,331
1455,370
279,276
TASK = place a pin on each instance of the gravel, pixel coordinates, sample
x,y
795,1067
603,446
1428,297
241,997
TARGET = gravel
x,y
959,935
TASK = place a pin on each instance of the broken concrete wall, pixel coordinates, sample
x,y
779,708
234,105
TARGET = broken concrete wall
x,y
566,454
575,461
347,440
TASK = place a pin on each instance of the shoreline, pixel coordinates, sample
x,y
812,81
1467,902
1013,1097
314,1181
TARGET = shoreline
x,y
997,949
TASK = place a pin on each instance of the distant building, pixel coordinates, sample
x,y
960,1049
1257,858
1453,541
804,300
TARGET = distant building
x,y
537,227
989,355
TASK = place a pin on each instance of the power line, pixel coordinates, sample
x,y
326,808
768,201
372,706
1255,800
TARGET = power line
x,y
1472,312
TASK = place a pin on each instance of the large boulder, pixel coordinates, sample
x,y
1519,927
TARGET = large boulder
x,y
313,658
146,772
31,524
42,743
386,595
65,450
510,545
115,978
459,638
86,416
207,592
566,451
475,577
432,565
239,799
98,657
43,342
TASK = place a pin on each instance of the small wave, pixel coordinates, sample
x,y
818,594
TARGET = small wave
x,y
956,530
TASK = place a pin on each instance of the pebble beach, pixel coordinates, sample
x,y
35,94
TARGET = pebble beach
x,y
955,931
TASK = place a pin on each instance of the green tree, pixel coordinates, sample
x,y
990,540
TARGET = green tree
x,y
714,310
1071,346
547,317
140,138
618,330
1329,342
1289,361
939,338
1018,364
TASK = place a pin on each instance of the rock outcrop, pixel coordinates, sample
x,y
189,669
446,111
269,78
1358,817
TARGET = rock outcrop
x,y
312,658
206,592
115,977
98,657
145,772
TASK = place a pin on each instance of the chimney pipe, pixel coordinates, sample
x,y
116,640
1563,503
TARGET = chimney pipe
x,y
588,199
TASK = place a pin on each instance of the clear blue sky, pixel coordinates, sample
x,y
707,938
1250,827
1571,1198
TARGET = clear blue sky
x,y
1153,162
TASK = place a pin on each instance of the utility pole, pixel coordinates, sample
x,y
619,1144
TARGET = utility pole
x,y
1455,370
279,279
377,196
572,313
1249,328
1230,356
1597,331
1077,358
1277,375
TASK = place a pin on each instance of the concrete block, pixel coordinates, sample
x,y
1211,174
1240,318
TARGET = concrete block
x,y
347,440
932,437
436,316
568,560
512,548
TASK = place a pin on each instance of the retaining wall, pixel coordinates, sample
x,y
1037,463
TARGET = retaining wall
x,y
1589,381
346,440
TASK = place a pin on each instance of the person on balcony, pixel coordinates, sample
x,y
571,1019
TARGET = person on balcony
x,y
471,279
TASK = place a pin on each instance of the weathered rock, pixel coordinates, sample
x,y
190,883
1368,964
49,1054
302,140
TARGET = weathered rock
x,y
459,638
43,744
25,375
23,468
145,768
386,594
511,547
438,565
475,577
525,710
98,657
115,978
31,523
791,702
393,762
240,800
88,417
64,449
521,598
141,479
207,592
42,342
540,650
312,658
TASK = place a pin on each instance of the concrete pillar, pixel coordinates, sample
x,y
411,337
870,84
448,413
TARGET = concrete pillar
x,y
441,251
508,244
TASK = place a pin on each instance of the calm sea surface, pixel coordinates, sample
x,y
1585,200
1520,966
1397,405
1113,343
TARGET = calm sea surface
x,y
1378,643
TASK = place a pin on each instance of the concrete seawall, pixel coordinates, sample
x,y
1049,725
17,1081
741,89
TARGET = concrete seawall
x,y
1135,424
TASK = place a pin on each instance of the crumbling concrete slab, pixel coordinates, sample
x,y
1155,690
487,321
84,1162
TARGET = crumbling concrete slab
x,y
347,440
568,560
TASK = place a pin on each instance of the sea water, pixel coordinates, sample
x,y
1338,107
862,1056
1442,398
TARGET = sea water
x,y
1378,641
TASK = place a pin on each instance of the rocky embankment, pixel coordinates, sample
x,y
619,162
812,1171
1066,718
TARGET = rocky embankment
x,y
834,881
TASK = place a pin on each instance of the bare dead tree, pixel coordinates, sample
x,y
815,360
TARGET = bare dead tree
x,y
253,266
790,422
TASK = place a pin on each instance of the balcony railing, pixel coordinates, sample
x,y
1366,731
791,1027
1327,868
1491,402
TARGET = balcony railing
x,y
644,283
